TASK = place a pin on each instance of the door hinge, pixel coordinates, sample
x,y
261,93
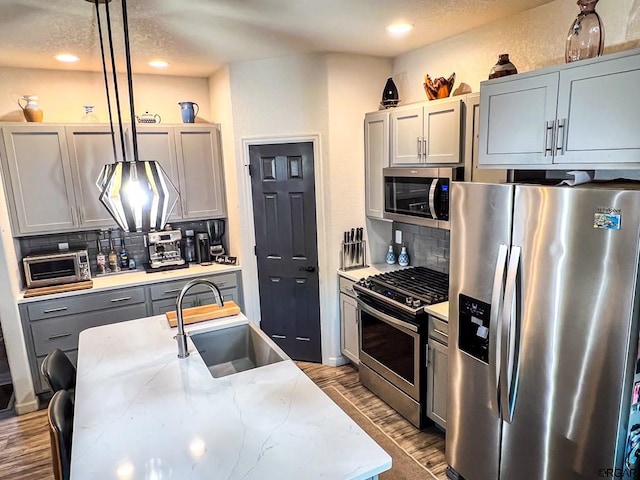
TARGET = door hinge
x,y
250,170
255,250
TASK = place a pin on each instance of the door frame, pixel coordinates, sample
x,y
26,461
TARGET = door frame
x,y
249,262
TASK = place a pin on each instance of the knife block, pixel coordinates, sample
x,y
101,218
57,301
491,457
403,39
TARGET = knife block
x,y
353,255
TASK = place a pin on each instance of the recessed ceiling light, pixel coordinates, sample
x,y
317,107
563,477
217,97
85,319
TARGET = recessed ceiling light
x,y
399,29
67,57
159,63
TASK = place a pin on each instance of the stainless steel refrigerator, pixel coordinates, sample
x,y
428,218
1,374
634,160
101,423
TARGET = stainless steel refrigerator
x,y
543,319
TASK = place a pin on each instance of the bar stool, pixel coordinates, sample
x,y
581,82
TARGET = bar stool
x,y
59,371
60,417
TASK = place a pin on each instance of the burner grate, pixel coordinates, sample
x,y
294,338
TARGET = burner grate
x,y
419,282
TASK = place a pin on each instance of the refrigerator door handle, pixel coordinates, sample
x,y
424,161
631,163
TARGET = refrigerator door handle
x,y
494,327
508,333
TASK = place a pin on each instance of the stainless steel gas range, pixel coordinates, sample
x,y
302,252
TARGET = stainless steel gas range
x,y
393,336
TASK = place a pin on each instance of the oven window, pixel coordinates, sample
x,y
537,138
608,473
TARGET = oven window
x,y
391,347
53,269
408,196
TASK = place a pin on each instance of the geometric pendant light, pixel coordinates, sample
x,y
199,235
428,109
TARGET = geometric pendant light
x,y
136,193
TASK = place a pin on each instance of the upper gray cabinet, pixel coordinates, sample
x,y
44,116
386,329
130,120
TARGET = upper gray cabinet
x,y
50,173
376,157
578,115
201,173
37,178
426,133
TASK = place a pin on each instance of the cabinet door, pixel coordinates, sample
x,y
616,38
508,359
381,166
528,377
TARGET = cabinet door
x,y
599,113
160,307
441,132
159,144
201,174
349,328
38,177
90,149
406,136
228,294
437,383
516,121
376,157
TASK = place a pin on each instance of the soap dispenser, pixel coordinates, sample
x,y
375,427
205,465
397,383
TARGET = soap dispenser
x,y
391,256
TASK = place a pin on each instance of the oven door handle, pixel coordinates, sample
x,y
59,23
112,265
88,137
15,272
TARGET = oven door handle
x,y
366,291
387,318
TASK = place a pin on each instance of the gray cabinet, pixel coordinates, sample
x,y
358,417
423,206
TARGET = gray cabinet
x,y
201,173
437,371
38,180
57,323
90,149
427,133
578,115
376,157
349,333
50,173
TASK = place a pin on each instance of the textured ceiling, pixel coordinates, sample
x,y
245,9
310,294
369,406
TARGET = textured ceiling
x,y
198,36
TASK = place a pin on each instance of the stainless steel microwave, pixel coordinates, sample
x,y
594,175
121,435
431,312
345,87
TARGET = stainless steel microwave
x,y
419,195
56,268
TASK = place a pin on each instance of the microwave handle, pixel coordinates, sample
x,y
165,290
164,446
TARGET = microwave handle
x,y
432,198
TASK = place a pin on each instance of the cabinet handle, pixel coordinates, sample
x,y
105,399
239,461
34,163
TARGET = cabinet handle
x,y
73,215
59,309
59,335
279,336
173,290
419,149
121,299
440,332
80,215
560,136
424,149
426,354
304,339
219,284
548,138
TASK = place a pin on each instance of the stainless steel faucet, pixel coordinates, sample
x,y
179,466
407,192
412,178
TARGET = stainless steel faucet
x,y
181,338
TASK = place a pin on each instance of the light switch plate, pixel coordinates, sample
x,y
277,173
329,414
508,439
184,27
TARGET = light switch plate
x,y
398,237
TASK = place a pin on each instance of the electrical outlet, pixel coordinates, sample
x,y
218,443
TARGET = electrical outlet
x,y
398,237
63,246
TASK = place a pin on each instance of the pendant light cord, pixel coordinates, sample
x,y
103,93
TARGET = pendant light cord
x,y
127,53
106,82
115,81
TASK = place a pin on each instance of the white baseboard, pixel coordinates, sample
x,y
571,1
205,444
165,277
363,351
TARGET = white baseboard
x,y
27,407
336,361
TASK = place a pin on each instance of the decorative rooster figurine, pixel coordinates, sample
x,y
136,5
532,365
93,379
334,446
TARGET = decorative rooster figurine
x,y
440,87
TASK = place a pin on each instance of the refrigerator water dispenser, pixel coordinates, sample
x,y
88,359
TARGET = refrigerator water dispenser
x,y
473,324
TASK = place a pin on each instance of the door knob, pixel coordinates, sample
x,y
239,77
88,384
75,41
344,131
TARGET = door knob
x,y
307,269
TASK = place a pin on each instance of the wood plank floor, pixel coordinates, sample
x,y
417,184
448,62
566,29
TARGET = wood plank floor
x,y
25,452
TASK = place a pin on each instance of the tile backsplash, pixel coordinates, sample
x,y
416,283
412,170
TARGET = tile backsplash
x,y
134,242
426,246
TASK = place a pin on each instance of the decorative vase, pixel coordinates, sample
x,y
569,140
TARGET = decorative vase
x,y
403,258
586,35
391,257
440,87
189,110
390,96
31,110
503,68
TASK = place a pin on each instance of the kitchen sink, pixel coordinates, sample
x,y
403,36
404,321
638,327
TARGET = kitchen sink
x,y
236,349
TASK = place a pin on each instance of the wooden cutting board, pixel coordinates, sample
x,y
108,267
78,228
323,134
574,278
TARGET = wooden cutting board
x,y
69,287
203,313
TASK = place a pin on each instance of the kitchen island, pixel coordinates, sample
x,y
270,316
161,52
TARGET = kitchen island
x,y
143,413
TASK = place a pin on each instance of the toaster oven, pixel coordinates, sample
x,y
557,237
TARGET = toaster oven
x,y
56,268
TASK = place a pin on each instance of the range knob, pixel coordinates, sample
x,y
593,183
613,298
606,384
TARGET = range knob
x,y
416,303
408,301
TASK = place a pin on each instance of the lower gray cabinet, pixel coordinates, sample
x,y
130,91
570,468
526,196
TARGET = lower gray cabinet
x,y
437,382
57,323
349,338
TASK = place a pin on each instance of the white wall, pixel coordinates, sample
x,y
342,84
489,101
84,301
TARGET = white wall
x,y
324,95
63,93
533,39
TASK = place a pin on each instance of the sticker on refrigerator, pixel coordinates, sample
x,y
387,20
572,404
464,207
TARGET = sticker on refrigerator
x,y
606,221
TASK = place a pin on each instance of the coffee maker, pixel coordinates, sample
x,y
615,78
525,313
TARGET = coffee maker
x,y
164,248
216,232
203,255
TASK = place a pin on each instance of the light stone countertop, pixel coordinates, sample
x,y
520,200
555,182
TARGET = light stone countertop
x,y
142,413
440,310
137,277
376,268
